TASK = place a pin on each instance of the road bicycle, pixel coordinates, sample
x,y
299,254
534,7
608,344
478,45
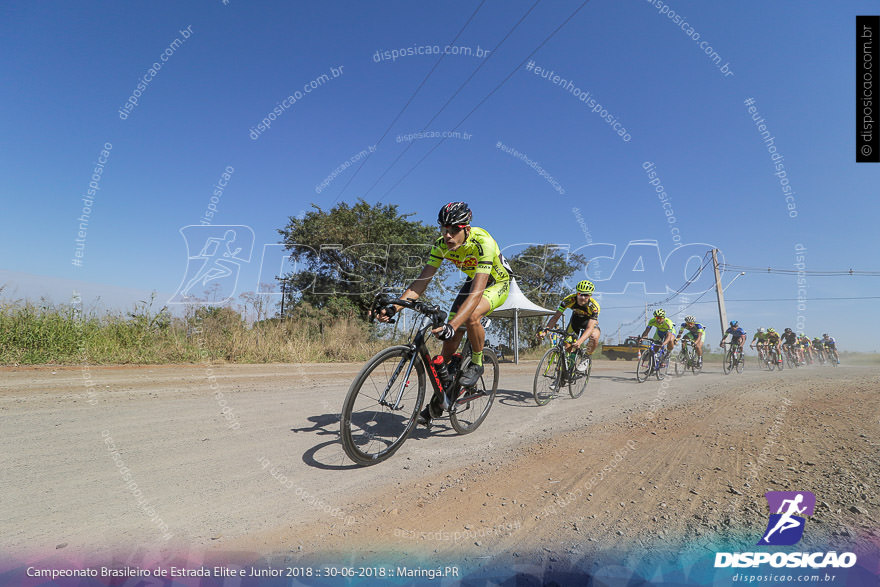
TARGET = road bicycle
x,y
773,360
820,355
733,359
382,406
762,353
832,356
652,360
687,358
558,369
790,357
808,356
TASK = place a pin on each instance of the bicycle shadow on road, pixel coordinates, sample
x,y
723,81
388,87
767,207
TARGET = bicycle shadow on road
x,y
334,458
516,398
615,378
322,425
325,425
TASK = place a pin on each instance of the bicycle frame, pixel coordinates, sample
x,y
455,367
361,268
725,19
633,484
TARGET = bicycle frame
x,y
560,344
689,348
419,350
654,348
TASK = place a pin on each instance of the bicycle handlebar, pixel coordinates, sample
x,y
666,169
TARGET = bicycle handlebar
x,y
438,316
554,330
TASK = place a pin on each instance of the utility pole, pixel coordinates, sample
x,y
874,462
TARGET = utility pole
x,y
283,283
722,313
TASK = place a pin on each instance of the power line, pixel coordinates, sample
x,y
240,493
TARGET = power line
x,y
686,284
408,102
451,98
765,270
758,300
489,95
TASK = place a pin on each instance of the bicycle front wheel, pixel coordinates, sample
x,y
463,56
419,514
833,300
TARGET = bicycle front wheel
x,y
548,376
473,403
382,405
728,362
662,367
646,364
581,375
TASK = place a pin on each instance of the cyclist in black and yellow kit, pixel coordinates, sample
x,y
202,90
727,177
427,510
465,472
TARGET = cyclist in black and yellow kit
x,y
790,342
806,346
476,253
584,323
773,341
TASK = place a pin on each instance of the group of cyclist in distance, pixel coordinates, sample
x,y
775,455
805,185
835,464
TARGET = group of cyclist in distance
x,y
473,250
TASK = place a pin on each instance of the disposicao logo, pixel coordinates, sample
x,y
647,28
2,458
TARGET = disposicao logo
x,y
784,528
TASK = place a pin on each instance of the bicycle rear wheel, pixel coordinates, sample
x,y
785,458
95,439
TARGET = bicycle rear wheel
x,y
770,361
548,376
646,364
681,363
578,383
696,363
373,430
740,362
473,403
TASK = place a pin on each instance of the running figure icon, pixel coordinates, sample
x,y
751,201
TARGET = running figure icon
x,y
787,524
216,266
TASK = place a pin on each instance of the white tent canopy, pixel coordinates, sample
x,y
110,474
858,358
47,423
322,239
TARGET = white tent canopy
x,y
518,306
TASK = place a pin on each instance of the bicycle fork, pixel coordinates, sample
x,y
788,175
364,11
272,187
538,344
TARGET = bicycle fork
x,y
404,384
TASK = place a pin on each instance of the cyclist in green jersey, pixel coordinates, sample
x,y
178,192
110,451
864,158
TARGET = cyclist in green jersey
x,y
476,253
694,331
759,340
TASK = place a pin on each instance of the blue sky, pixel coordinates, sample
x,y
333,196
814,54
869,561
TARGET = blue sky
x,y
71,68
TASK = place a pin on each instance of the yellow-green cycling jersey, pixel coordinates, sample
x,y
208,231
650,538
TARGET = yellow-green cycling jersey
x,y
478,254
663,327
760,336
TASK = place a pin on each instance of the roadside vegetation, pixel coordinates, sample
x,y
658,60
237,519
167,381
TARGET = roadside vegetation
x,y
323,316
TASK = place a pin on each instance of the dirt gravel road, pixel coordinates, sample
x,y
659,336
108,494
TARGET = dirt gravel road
x,y
153,458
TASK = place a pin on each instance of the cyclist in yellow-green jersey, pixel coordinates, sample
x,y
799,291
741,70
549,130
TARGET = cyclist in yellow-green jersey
x,y
475,252
665,330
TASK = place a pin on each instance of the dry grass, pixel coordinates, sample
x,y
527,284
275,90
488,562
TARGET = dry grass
x,y
47,334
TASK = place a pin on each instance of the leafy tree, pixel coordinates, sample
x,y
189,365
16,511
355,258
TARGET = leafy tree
x,y
346,255
541,272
